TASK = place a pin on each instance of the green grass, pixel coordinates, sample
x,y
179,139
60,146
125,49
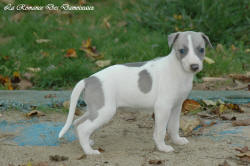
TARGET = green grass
x,y
144,37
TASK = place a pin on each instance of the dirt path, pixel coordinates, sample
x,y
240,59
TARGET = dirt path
x,y
127,141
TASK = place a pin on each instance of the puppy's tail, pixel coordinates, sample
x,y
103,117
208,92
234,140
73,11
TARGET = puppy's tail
x,y
73,102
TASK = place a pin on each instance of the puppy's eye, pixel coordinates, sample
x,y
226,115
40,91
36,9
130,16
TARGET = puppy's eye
x,y
182,51
202,50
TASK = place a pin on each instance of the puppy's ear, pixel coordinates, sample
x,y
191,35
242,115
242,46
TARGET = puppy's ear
x,y
205,37
172,38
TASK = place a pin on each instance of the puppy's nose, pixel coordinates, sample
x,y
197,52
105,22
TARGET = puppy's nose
x,y
194,67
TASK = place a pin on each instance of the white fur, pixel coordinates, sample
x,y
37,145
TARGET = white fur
x,y
172,82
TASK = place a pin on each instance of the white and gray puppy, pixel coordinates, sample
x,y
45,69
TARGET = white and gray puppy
x,y
162,84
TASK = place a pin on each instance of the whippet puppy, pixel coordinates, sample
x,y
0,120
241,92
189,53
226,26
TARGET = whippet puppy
x,y
162,84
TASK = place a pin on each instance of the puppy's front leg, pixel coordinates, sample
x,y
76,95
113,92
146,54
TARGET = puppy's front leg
x,y
162,113
173,126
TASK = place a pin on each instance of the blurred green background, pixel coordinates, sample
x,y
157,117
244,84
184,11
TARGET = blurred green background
x,y
56,49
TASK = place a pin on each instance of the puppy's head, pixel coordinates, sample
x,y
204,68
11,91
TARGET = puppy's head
x,y
189,48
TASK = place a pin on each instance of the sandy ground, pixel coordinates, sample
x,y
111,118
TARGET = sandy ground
x,y
127,141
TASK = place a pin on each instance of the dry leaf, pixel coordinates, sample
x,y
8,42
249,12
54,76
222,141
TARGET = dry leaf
x,y
66,105
209,60
244,154
71,53
39,41
245,122
209,102
214,79
16,78
235,107
101,150
32,69
241,77
106,22
103,63
35,113
155,162
84,156
128,116
90,50
233,47
57,158
190,105
187,125
220,109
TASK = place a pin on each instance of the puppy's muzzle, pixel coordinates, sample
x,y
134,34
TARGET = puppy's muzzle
x,y
194,67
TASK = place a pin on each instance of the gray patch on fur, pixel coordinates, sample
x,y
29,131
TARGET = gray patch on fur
x,y
135,64
145,81
93,96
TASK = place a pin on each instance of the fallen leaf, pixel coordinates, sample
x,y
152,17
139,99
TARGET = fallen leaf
x,y
209,102
106,22
209,60
58,158
71,53
187,125
103,63
243,150
32,69
17,17
1,115
206,115
244,154
225,163
35,113
220,109
235,107
214,79
128,116
66,105
224,117
155,162
84,156
190,105
241,77
40,41
90,50
233,47
101,150
245,122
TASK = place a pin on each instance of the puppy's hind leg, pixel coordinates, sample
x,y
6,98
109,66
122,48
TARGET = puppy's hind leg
x,y
89,126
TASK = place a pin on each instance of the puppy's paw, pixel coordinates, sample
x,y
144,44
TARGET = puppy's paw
x,y
181,141
93,152
165,148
